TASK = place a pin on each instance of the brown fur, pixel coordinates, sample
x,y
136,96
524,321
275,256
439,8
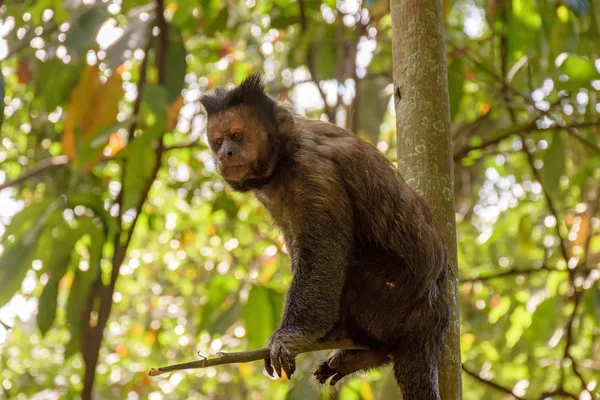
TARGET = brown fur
x,y
368,262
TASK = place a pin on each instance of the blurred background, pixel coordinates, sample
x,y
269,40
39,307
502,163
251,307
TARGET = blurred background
x,y
102,132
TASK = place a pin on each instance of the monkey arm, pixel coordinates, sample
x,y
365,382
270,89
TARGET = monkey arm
x,y
312,306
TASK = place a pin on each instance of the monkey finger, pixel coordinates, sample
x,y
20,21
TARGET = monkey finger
x,y
276,363
269,367
336,378
288,367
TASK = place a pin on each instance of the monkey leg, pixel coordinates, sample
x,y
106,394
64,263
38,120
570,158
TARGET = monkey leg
x,y
341,363
416,370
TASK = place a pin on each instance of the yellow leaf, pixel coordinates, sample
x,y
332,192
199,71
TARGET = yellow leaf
x,y
92,106
137,329
150,338
121,350
173,113
365,391
245,370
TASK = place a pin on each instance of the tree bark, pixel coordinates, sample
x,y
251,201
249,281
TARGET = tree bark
x,y
424,141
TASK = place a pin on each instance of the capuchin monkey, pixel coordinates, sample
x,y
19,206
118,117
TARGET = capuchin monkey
x,y
368,262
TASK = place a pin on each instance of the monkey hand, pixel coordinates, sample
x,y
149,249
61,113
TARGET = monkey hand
x,y
284,346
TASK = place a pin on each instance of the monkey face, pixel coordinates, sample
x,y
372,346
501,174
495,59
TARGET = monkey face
x,y
239,144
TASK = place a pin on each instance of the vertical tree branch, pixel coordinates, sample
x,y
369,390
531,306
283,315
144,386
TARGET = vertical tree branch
x,y
424,142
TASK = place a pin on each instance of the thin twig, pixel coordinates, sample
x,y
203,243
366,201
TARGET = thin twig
x,y
549,201
247,356
191,145
41,167
491,383
547,113
504,133
511,272
23,43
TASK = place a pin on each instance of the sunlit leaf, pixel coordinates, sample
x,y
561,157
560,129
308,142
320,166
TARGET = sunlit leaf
x,y
17,257
225,203
176,65
47,310
226,319
219,289
579,69
140,154
92,110
219,23
554,164
134,37
260,316
1,98
84,28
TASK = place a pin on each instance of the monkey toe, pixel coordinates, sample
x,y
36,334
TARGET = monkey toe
x,y
324,372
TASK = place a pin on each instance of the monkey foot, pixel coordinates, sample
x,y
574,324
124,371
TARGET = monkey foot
x,y
324,372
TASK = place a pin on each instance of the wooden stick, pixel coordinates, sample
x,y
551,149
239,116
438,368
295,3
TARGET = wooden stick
x,y
247,356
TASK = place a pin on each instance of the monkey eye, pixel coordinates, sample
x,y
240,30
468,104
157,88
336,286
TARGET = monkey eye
x,y
236,136
219,142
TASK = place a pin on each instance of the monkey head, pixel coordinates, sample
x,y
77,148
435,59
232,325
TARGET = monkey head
x,y
246,133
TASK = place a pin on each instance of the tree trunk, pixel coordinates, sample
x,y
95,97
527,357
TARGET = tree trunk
x,y
424,142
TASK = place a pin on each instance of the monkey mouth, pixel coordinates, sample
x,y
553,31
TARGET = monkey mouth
x,y
236,172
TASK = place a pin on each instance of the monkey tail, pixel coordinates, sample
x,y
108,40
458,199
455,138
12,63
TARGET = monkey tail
x,y
416,371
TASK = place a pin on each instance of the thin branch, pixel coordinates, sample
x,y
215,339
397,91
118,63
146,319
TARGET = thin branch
x,y
593,212
504,133
491,383
558,392
40,168
549,201
191,145
547,113
511,272
247,356
24,43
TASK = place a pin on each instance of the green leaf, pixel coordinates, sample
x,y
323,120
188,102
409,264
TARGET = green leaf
x,y
225,203
456,79
219,289
542,321
63,76
139,167
579,69
94,202
176,65
226,319
301,389
501,309
56,266
219,23
135,37
98,141
554,165
154,102
17,257
259,316
47,305
84,29
2,92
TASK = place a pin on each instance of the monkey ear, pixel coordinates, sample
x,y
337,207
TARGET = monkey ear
x,y
285,117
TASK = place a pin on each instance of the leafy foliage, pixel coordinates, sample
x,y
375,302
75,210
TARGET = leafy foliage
x,y
119,208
